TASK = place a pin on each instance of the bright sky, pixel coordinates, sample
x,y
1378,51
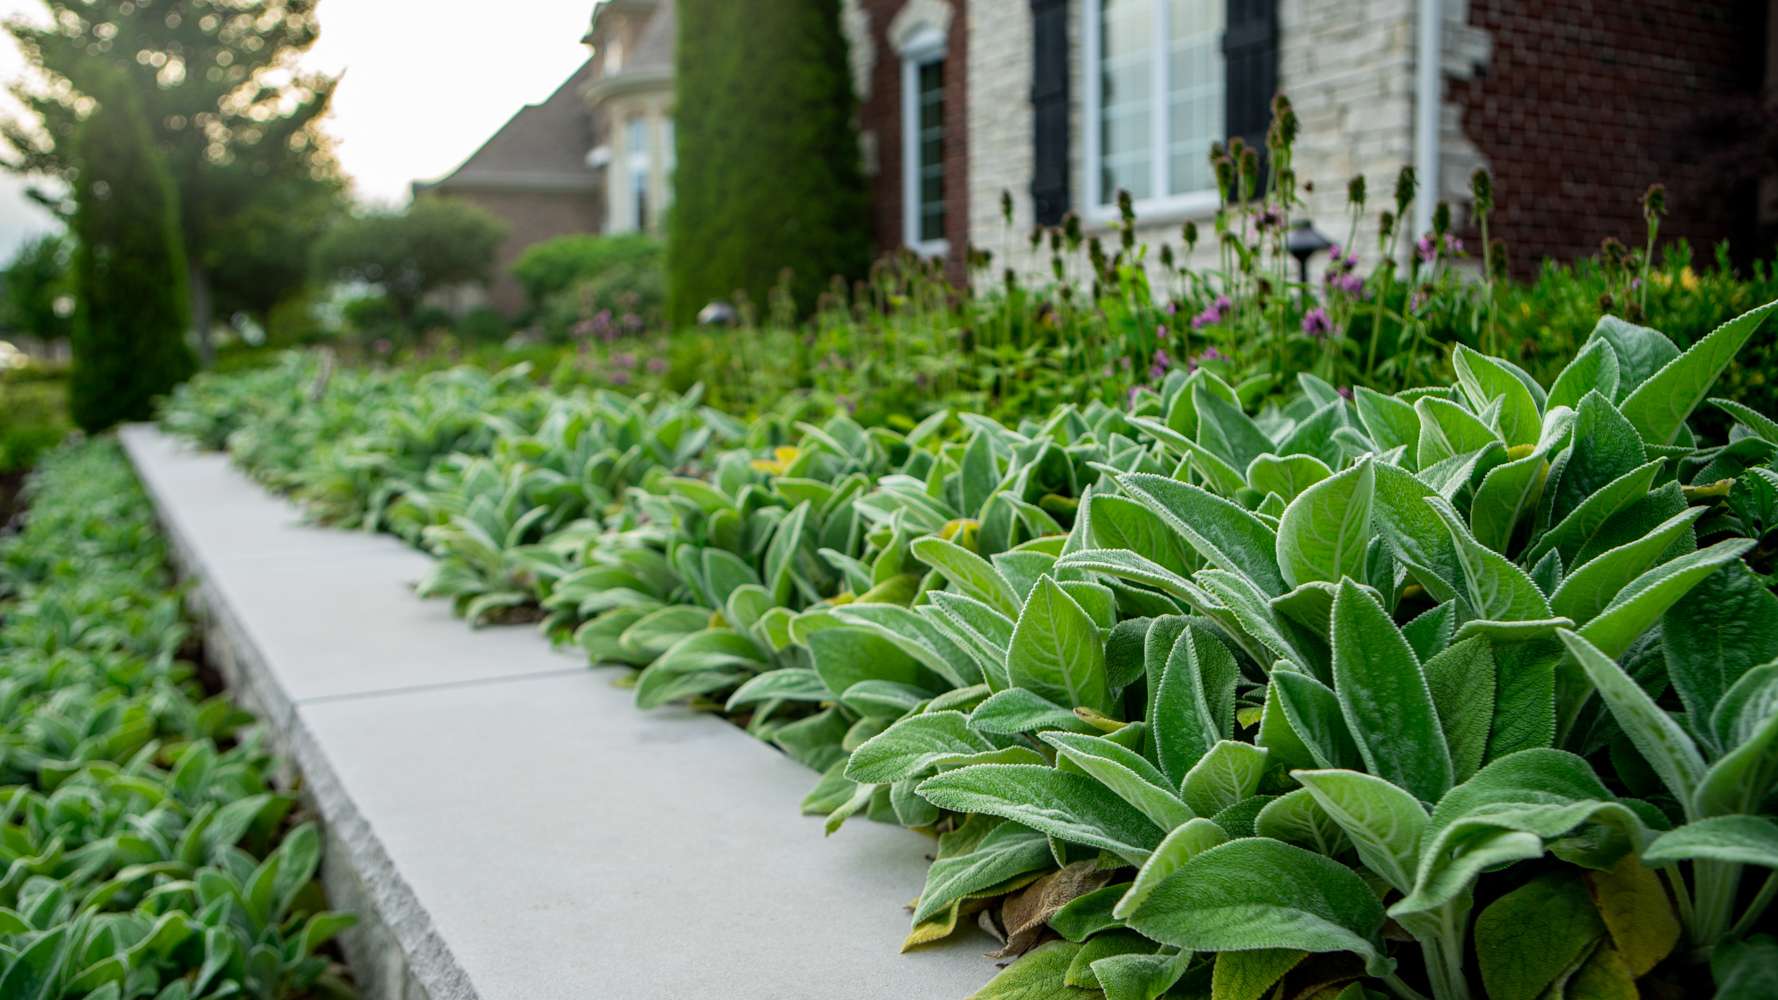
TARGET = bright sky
x,y
425,82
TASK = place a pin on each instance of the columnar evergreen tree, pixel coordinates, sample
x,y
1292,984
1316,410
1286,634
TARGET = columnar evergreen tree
x,y
229,110
768,174
131,312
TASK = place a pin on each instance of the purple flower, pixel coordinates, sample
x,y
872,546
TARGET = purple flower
x,y
620,378
1159,366
1316,323
1345,391
1213,313
625,360
657,365
1172,308
1211,354
1428,247
382,345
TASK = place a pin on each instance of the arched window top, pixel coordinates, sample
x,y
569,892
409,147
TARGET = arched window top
x,y
921,29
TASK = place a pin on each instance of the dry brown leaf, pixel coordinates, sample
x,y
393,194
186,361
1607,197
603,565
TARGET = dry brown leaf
x,y
1026,914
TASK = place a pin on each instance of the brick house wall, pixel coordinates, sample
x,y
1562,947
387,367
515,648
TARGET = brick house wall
x,y
530,217
872,27
1581,108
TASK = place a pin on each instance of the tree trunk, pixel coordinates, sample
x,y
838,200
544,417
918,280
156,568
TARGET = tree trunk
x,y
200,313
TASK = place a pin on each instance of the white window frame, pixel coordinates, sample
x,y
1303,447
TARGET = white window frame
x,y
1100,206
925,45
638,166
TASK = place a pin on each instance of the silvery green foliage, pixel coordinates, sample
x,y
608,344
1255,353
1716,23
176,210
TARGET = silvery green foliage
x,y
143,849
1289,675
1371,654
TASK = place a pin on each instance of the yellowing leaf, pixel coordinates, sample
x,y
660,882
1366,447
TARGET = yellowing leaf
x,y
1040,975
1637,913
1247,975
1528,937
779,463
1603,976
944,924
1103,723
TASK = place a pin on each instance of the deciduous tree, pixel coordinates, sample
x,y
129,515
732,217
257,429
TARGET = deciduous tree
x,y
226,107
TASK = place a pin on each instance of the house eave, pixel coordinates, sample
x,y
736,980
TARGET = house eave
x,y
633,82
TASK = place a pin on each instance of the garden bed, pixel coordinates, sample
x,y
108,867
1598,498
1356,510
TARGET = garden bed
x,y
505,823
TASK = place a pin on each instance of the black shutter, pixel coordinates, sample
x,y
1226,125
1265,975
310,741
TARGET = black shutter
x,y
1049,110
1250,61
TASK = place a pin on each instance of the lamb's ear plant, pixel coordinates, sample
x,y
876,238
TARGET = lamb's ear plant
x,y
1466,690
143,851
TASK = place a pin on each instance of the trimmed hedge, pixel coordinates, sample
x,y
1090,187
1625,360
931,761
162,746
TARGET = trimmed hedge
x,y
768,174
131,311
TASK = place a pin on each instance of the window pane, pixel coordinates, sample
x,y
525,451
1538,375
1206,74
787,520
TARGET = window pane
x,y
1126,95
929,155
1194,91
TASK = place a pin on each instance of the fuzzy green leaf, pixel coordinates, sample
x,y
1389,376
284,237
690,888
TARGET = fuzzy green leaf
x,y
1384,697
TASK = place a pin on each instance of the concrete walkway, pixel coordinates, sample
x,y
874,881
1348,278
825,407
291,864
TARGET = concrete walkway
x,y
508,823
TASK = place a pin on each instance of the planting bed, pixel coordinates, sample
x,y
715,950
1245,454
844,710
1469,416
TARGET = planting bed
x,y
507,824
1323,692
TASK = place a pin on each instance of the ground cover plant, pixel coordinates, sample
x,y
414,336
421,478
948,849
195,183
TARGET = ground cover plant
x,y
1461,690
143,849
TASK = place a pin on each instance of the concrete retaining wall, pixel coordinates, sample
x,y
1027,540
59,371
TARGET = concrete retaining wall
x,y
507,824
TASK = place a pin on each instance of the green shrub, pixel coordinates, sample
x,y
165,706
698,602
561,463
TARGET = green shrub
x,y
131,314
768,175
1547,319
482,325
371,317
33,417
435,243
559,264
37,289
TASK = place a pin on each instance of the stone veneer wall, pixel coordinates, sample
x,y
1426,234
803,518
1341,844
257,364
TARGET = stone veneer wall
x,y
1348,68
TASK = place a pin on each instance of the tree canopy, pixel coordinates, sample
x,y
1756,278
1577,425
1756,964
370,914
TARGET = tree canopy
x,y
37,292
228,110
433,244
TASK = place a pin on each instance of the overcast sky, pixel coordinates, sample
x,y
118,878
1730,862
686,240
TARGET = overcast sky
x,y
425,82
